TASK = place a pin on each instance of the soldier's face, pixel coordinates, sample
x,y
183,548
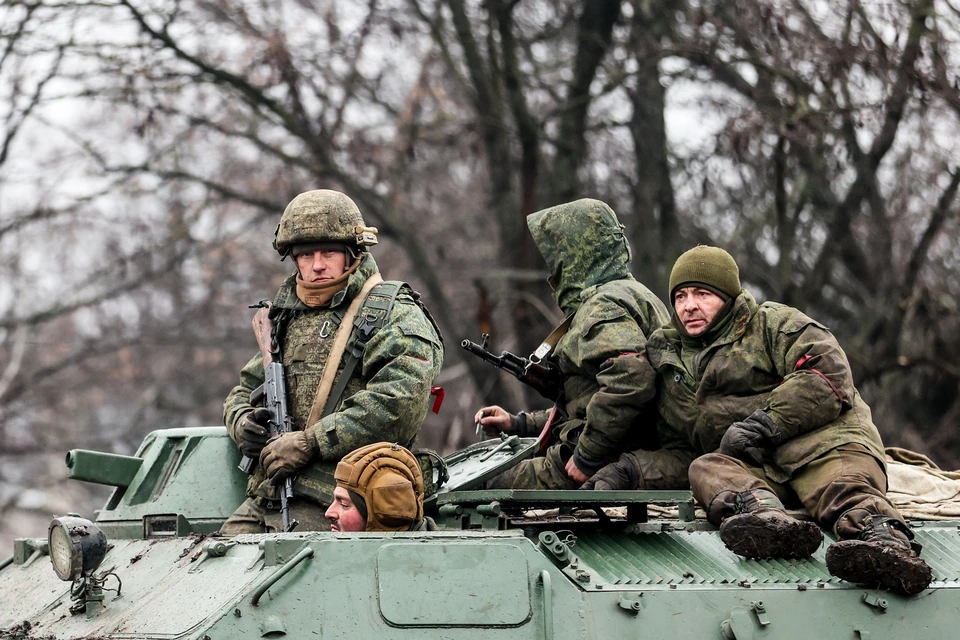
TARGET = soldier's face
x,y
696,308
343,514
321,265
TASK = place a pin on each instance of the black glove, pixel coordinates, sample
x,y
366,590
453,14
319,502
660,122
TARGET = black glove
x,y
252,433
747,439
624,474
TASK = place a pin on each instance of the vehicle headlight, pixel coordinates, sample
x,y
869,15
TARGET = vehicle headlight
x,y
77,547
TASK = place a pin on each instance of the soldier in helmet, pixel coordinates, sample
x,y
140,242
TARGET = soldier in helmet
x,y
764,396
379,488
607,381
381,388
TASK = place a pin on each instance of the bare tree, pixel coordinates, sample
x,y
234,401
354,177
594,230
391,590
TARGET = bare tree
x,y
148,148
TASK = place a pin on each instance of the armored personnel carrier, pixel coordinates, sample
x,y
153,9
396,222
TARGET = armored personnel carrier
x,y
504,564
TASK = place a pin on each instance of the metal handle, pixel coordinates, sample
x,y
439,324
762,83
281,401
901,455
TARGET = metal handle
x,y
303,554
507,443
547,605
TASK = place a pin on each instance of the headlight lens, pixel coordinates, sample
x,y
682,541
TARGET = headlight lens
x,y
77,547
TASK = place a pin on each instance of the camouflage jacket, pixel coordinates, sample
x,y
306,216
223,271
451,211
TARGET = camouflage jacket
x,y
608,383
770,357
384,401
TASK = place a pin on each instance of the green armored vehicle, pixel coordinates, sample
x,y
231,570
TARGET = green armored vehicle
x,y
504,564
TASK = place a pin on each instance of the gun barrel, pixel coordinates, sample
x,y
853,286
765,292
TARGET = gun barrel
x,y
511,363
478,350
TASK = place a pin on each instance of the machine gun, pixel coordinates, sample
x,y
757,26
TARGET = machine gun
x,y
545,379
273,394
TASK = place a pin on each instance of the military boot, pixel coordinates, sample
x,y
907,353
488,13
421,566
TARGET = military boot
x,y
881,555
754,524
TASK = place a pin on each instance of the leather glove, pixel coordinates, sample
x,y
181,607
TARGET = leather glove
x,y
749,438
624,474
252,433
285,454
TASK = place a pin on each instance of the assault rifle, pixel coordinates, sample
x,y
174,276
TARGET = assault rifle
x,y
545,379
273,394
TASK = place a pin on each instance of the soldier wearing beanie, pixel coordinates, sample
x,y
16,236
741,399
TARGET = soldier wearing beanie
x,y
711,268
759,400
379,488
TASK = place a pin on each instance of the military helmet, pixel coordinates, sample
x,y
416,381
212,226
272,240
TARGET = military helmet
x,y
322,215
385,483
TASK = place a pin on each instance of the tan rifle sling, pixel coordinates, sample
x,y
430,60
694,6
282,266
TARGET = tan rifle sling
x,y
336,352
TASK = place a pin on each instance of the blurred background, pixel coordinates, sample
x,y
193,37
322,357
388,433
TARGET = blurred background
x,y
148,147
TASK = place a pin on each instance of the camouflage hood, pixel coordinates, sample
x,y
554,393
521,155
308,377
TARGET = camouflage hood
x,y
584,245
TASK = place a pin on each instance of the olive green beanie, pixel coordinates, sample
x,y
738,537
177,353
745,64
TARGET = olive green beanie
x,y
710,266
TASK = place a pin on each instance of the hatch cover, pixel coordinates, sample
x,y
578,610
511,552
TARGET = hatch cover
x,y
453,584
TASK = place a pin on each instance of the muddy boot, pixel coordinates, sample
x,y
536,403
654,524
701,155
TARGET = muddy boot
x,y
881,555
755,525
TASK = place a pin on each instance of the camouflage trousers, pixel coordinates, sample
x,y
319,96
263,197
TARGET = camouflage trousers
x,y
659,469
542,472
254,517
839,489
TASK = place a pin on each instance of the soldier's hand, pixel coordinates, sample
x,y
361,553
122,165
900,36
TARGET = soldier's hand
x,y
494,420
622,475
252,433
746,440
285,455
574,472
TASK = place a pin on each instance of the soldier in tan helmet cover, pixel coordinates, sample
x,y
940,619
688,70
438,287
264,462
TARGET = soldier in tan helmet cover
x,y
385,397
379,488
759,400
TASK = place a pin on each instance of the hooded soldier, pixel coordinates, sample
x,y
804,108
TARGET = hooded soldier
x,y
764,396
383,396
379,488
607,381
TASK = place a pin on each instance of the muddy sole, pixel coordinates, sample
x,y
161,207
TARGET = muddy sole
x,y
759,536
875,564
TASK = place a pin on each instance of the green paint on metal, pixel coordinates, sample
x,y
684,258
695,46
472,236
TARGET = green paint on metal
x,y
559,576
102,468
302,555
183,472
555,498
481,584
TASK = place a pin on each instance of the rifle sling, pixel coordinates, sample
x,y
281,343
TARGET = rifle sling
x,y
365,325
551,340
336,352
544,350
357,327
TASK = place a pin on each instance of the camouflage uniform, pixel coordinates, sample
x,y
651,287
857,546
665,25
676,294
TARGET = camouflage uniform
x,y
774,358
761,399
385,399
608,383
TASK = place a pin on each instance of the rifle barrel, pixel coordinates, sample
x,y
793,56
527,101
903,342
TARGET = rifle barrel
x,y
478,350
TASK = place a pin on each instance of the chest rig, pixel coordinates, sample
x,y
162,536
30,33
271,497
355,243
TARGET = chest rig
x,y
306,339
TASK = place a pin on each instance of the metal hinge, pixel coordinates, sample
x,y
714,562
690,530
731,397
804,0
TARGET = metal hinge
x,y
876,601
